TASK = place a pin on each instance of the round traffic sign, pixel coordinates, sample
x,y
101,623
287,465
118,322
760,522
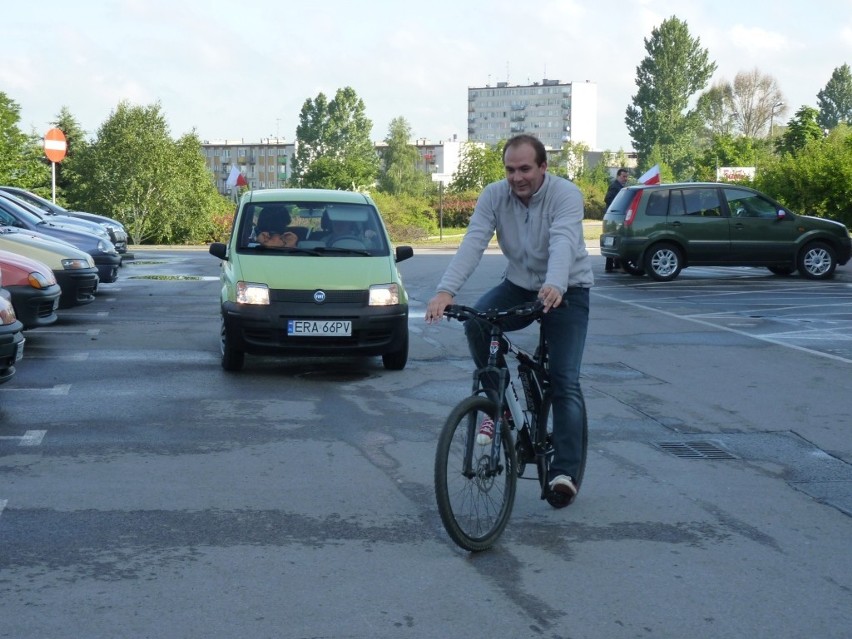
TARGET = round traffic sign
x,y
55,145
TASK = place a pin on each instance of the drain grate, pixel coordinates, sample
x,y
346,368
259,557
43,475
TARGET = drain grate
x,y
695,450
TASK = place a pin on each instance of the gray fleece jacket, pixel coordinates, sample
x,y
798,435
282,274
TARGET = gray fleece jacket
x,y
543,242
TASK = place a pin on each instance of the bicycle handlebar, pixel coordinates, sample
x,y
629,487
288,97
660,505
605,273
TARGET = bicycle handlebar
x,y
493,315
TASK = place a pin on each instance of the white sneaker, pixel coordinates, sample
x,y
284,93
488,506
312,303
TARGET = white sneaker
x,y
563,484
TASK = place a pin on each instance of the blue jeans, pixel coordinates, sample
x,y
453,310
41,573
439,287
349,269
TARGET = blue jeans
x,y
565,331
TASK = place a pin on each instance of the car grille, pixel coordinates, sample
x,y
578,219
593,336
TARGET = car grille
x,y
331,297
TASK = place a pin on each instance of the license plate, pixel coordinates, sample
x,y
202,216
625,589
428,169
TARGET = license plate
x,y
20,354
608,241
319,328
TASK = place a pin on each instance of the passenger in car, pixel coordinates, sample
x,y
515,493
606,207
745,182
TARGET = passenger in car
x,y
271,229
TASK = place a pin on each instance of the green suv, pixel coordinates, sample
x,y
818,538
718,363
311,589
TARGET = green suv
x,y
662,229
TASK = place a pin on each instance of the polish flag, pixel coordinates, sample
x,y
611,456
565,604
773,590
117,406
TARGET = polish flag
x,y
651,176
235,178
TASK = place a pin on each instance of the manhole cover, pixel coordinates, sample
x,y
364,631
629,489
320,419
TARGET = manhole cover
x,y
695,450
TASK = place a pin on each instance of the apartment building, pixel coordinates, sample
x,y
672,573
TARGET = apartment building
x,y
265,164
552,111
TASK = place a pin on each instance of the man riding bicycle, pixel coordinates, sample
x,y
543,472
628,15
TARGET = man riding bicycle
x,y
538,219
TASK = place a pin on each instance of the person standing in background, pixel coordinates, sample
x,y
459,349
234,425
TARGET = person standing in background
x,y
615,186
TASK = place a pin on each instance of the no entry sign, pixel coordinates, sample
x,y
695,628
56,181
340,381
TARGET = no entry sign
x,y
55,145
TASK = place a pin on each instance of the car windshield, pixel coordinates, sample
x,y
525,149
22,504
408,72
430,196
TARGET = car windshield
x,y
323,229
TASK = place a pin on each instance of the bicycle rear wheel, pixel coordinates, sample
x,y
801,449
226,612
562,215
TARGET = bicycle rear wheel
x,y
475,506
544,434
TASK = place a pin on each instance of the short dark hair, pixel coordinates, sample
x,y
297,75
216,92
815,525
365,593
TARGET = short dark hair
x,y
534,142
621,172
272,219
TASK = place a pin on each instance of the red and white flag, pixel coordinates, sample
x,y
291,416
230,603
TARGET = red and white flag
x,y
235,178
651,176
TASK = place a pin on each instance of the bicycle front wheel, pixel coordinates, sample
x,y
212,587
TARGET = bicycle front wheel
x,y
475,499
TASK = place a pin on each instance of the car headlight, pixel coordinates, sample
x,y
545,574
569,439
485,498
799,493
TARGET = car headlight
x,y
37,280
250,293
105,246
384,295
74,263
7,312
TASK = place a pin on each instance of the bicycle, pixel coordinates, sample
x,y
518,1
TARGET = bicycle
x,y
475,484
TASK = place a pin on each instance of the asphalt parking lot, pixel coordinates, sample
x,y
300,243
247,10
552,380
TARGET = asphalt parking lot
x,y
146,492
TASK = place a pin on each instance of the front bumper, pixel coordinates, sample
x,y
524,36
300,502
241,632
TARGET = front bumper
x,y
78,286
35,307
260,330
107,265
11,349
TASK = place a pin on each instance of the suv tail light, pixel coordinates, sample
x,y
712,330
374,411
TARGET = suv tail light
x,y
630,214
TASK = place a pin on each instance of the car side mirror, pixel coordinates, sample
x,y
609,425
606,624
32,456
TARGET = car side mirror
x,y
403,253
781,214
220,250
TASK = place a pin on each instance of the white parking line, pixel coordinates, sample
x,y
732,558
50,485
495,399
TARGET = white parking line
x,y
59,389
762,338
3,503
29,438
78,357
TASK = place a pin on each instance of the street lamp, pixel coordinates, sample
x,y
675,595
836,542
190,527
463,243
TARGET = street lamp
x,y
775,108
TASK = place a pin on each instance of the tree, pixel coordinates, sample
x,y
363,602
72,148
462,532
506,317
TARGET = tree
x,y
835,100
570,162
800,130
675,68
401,174
715,107
756,100
333,145
133,171
479,165
75,137
22,161
729,150
817,179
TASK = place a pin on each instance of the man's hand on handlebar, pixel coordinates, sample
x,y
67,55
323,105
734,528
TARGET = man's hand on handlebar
x,y
436,306
550,297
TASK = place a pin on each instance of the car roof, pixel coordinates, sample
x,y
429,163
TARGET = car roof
x,y
306,195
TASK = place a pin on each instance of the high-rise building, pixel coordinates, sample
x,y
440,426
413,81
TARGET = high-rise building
x,y
552,111
264,164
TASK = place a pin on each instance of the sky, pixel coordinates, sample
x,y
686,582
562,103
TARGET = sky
x,y
242,69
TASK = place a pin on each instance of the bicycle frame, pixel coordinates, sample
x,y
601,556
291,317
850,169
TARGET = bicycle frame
x,y
533,375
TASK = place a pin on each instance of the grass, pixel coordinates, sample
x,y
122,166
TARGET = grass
x,y
453,236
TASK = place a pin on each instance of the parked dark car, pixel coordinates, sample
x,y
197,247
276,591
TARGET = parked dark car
x,y
33,287
115,229
662,229
102,250
11,338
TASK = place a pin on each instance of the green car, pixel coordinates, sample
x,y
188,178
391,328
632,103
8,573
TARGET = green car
x,y
311,272
662,229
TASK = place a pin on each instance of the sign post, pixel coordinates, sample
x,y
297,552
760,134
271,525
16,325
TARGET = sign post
x,y
55,147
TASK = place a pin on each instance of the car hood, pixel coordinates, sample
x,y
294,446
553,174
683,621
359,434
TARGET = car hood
x,y
16,268
302,272
826,224
42,249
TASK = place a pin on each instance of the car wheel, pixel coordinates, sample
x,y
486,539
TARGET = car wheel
x,y
663,262
817,261
781,270
396,360
232,357
633,268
